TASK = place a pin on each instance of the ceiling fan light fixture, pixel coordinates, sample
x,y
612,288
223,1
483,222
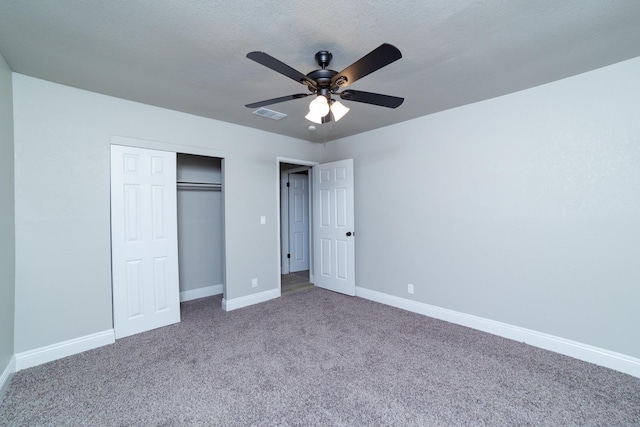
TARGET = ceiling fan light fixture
x,y
339,110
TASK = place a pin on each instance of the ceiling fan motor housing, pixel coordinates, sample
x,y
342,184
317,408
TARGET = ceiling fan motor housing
x,y
323,76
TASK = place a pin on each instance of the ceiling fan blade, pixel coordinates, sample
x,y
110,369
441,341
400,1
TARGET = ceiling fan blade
x,y
371,98
380,57
280,67
276,100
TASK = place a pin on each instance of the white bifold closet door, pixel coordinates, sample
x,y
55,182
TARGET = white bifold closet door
x,y
144,240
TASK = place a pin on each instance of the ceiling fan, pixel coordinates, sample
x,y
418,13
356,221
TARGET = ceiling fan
x,y
325,82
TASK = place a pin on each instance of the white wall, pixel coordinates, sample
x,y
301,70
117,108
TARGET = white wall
x,y
7,236
62,137
524,209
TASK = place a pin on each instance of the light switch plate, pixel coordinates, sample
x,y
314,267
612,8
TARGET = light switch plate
x,y
263,219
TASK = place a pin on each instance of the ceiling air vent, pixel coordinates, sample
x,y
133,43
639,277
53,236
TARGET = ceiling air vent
x,y
270,114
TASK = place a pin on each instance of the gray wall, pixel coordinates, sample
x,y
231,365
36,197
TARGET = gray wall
x,y
7,236
62,138
524,209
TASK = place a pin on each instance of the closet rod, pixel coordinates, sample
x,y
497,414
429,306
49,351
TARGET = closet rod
x,y
203,185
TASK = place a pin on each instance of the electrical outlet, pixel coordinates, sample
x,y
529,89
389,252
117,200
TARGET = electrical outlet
x,y
410,288
254,282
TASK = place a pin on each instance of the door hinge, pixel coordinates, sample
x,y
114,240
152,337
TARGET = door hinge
x,y
288,184
288,255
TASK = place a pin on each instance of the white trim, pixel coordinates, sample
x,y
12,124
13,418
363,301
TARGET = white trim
x,y
166,146
588,353
59,350
206,291
295,162
7,374
232,304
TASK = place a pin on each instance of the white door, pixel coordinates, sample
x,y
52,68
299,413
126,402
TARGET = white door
x,y
333,228
298,222
144,240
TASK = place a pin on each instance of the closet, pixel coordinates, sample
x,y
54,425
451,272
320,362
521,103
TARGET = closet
x,y
200,226
166,234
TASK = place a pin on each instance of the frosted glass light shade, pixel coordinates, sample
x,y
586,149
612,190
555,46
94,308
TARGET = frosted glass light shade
x,y
319,106
314,118
338,110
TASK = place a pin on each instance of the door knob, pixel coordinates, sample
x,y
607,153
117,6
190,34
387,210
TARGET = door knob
x,y
348,234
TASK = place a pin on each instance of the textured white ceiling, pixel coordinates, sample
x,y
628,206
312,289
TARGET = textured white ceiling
x,y
190,55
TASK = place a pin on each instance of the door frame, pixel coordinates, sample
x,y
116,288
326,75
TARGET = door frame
x,y
184,149
280,178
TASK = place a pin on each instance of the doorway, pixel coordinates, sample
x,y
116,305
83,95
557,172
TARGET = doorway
x,y
331,223
295,227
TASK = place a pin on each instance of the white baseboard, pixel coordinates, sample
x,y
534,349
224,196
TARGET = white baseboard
x,y
59,350
588,353
207,291
7,374
232,304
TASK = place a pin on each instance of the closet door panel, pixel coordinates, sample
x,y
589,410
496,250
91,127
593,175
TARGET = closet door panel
x,y
144,240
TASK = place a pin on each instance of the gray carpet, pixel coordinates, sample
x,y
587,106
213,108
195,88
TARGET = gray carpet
x,y
316,358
